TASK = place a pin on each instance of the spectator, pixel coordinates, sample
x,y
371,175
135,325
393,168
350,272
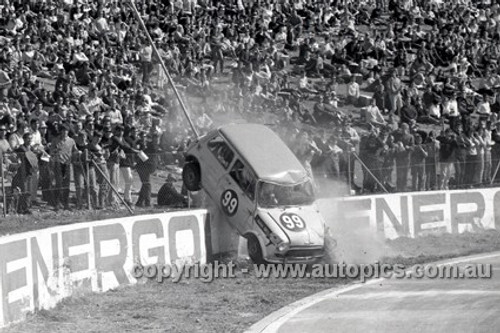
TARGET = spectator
x,y
62,151
432,147
369,149
418,157
22,180
372,115
145,167
352,92
394,89
404,142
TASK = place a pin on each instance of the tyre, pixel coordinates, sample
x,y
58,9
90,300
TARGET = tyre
x,y
255,250
191,176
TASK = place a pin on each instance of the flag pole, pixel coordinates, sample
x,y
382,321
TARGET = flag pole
x,y
162,64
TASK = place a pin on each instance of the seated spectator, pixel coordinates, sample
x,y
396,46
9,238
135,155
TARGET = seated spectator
x,y
372,115
352,92
169,196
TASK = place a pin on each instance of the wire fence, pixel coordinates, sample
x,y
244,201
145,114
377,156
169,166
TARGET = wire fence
x,y
154,179
372,174
89,182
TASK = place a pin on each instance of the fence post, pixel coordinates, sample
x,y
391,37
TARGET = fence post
x,y
349,180
369,172
86,168
113,188
495,173
3,186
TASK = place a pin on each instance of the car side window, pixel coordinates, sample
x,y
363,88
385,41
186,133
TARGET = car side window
x,y
221,150
244,178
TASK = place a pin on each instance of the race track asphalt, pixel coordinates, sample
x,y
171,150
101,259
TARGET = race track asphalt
x,y
399,305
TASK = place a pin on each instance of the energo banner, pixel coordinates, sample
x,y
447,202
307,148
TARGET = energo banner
x,y
419,213
39,268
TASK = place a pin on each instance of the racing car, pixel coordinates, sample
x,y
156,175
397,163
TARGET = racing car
x,y
262,189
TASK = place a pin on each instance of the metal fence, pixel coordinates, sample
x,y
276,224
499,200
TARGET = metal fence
x,y
30,180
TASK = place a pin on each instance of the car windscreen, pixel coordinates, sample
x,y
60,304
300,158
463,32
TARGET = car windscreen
x,y
276,195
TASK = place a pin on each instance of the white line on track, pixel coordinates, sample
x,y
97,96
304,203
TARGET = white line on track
x,y
426,293
273,322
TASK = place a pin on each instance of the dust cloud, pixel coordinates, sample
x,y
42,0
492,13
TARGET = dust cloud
x,y
355,243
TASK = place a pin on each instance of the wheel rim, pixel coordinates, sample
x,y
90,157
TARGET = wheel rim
x,y
253,248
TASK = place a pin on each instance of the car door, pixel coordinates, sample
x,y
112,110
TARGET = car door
x,y
237,195
218,156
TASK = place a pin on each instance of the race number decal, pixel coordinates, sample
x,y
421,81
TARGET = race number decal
x,y
292,222
229,202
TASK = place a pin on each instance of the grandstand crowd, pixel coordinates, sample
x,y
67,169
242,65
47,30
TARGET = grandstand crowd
x,y
405,90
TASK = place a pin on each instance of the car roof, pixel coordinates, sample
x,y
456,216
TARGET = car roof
x,y
265,152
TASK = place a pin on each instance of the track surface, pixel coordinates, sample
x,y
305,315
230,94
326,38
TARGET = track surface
x,y
404,305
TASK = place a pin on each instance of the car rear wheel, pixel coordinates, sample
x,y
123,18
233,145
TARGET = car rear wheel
x,y
254,250
191,176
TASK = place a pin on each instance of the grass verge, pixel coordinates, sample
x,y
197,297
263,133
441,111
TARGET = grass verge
x,y
224,305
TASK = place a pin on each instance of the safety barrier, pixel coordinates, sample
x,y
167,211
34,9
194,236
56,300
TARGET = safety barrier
x,y
414,214
40,268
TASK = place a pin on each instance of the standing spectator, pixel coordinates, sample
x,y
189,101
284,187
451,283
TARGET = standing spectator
x,y
472,158
147,61
388,160
145,168
461,155
394,89
16,138
481,145
22,179
488,144
119,148
332,159
369,149
403,145
80,169
448,147
62,151
418,156
98,172
349,141
432,147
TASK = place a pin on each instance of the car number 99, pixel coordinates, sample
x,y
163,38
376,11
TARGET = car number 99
x,y
229,202
292,222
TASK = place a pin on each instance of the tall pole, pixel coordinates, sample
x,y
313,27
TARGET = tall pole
x,y
112,187
86,168
369,172
495,173
157,54
349,180
3,186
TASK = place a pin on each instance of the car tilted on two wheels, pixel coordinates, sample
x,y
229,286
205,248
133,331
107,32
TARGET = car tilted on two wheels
x,y
262,189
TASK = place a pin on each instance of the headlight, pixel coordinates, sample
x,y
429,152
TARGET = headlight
x,y
283,247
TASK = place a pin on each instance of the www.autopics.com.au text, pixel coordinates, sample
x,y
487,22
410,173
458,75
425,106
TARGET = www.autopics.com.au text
x,y
210,272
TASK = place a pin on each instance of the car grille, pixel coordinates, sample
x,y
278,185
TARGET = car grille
x,y
304,253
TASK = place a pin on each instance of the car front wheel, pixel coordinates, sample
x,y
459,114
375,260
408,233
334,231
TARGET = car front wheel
x,y
191,176
254,250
